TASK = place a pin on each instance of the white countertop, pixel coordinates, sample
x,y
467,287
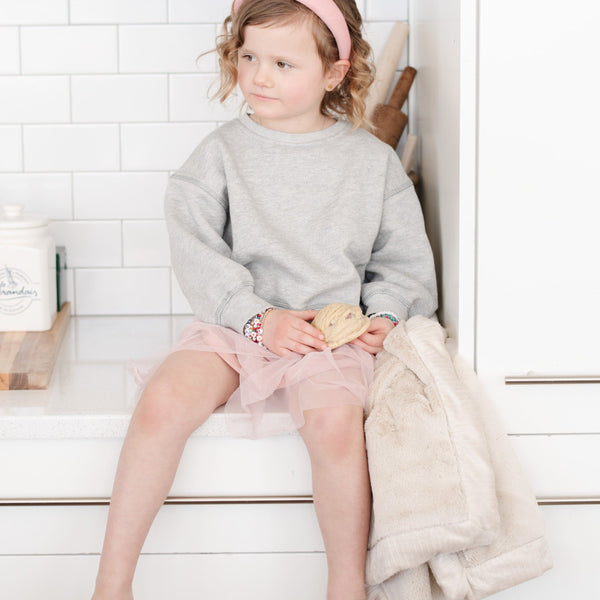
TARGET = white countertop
x,y
65,441
91,393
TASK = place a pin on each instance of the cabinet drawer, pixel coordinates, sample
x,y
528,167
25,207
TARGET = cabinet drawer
x,y
544,407
574,537
176,577
573,533
560,466
210,466
195,529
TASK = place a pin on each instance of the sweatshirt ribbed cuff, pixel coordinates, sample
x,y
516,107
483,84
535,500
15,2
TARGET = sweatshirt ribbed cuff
x,y
384,303
243,305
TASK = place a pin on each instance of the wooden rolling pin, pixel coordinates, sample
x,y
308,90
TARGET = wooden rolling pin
x,y
386,66
389,120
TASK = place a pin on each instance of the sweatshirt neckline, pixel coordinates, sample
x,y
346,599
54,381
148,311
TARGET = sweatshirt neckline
x,y
294,138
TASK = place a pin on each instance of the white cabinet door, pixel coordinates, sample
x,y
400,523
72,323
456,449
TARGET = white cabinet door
x,y
293,576
221,551
574,537
538,289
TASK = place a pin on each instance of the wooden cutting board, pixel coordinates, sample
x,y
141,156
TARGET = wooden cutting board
x,y
27,357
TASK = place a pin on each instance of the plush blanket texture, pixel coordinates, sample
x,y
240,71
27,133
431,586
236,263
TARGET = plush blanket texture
x,y
454,517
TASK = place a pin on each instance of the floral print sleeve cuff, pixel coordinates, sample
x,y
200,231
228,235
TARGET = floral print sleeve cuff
x,y
253,329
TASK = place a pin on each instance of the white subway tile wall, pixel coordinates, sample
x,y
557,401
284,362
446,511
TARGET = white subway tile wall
x,y
145,244
43,99
120,98
9,51
127,291
90,243
71,147
46,193
34,12
11,148
99,102
119,195
119,11
69,49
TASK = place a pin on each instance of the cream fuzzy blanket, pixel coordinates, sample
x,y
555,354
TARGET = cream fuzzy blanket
x,y
453,518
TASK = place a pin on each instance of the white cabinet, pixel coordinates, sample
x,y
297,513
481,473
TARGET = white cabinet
x,y
573,537
505,104
239,523
193,551
506,107
538,284
173,577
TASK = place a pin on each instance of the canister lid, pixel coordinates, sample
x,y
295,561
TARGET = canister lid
x,y
12,216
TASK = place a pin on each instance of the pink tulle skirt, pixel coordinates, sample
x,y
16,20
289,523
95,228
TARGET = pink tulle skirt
x,y
286,386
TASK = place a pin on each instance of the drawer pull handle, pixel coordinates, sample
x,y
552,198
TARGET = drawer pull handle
x,y
575,500
232,500
538,379
169,500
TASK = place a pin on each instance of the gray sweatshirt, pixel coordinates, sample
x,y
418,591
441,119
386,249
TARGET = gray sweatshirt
x,y
261,218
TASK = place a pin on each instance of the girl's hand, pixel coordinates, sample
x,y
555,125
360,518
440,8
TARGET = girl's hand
x,y
287,331
372,339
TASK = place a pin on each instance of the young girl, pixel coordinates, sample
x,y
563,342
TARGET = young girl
x,y
276,214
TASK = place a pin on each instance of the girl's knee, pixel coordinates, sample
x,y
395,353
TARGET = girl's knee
x,y
167,406
158,408
183,393
333,431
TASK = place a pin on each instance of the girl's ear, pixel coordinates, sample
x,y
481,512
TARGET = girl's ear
x,y
336,74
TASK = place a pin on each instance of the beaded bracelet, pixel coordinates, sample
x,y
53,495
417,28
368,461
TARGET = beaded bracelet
x,y
253,329
387,315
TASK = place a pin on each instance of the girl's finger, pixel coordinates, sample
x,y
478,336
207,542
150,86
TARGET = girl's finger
x,y
367,347
300,348
305,314
308,329
370,340
310,340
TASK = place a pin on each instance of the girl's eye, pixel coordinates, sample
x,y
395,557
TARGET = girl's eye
x,y
283,65
248,57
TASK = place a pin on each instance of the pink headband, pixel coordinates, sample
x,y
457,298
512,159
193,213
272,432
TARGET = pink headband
x,y
331,15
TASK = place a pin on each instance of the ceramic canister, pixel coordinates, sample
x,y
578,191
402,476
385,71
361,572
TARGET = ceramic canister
x,y
27,271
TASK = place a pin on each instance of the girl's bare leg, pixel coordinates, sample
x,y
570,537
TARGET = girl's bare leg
x,y
335,441
183,393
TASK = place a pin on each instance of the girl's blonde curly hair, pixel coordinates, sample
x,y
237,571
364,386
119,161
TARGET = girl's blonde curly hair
x,y
348,98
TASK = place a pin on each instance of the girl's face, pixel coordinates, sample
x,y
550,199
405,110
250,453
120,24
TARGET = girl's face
x,y
281,76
